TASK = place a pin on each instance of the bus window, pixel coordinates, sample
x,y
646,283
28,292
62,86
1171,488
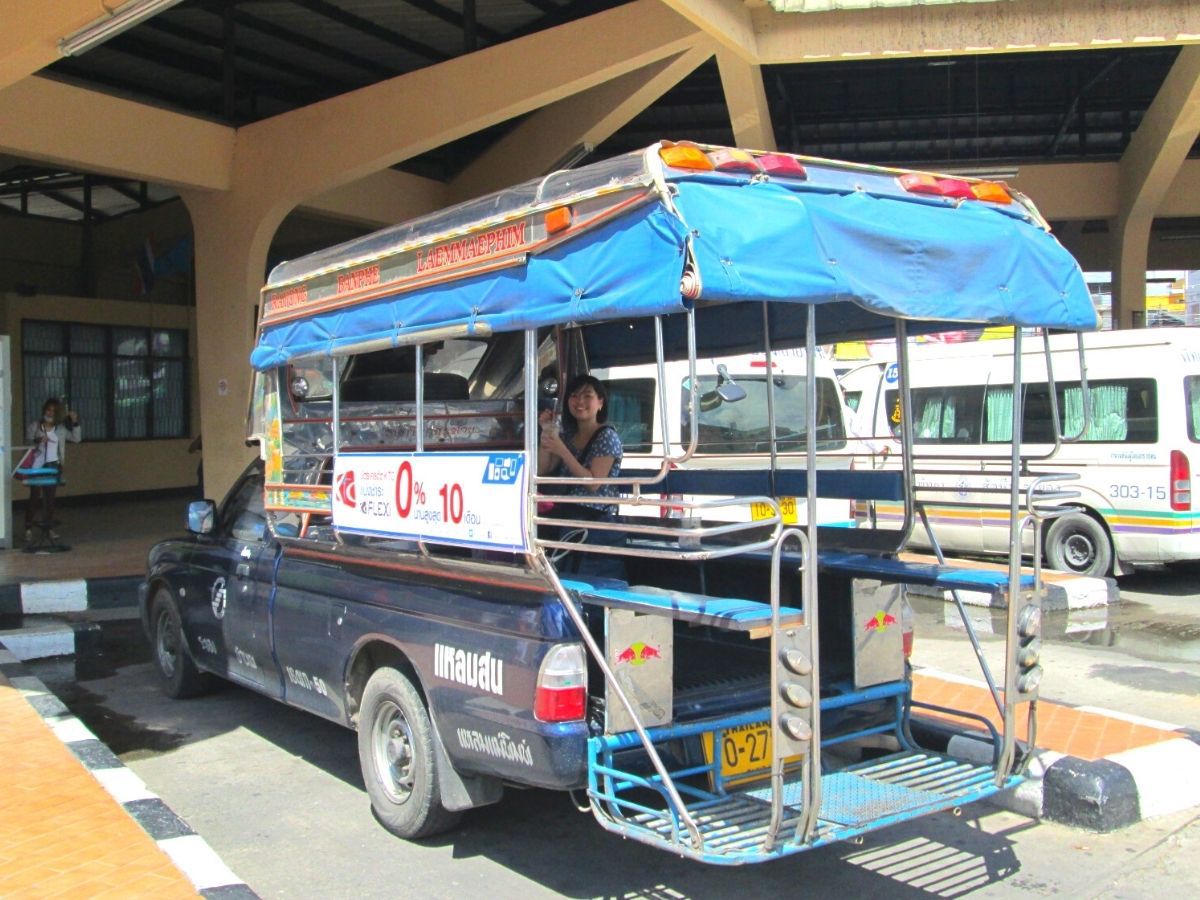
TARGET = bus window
x,y
1124,411
741,426
631,412
944,415
1191,388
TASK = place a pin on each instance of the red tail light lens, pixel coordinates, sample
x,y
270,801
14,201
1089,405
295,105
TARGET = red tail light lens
x,y
561,694
782,166
1181,481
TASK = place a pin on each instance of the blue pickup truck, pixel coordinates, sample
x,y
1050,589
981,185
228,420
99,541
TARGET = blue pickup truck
x,y
670,632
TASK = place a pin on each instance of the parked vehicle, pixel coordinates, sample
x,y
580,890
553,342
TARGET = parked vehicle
x,y
1133,459
396,566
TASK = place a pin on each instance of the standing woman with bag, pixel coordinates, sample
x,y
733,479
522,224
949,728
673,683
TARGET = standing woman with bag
x,y
49,436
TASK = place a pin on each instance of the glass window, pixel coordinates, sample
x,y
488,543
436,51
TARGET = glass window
x,y
1122,411
126,383
631,411
942,415
741,426
1191,390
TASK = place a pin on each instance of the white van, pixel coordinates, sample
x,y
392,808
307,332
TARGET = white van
x,y
732,425
1134,461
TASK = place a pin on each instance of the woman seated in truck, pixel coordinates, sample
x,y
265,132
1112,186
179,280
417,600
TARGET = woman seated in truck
x,y
588,449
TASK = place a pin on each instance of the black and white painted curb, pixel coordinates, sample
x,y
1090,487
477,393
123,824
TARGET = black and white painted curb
x,y
1101,794
188,850
33,606
36,598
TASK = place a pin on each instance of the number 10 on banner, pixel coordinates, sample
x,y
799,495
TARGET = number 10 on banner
x,y
469,499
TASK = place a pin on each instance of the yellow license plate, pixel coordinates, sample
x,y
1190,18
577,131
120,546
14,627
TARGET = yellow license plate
x,y
744,750
787,505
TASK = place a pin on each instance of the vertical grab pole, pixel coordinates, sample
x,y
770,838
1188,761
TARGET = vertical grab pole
x,y
1015,527
337,407
906,432
809,582
771,397
419,389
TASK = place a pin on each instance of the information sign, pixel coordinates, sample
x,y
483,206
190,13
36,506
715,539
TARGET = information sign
x,y
464,499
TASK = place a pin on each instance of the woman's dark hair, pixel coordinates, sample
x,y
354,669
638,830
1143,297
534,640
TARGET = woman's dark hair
x,y
52,402
585,380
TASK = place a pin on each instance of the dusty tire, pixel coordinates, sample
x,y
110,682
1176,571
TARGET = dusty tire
x,y
396,752
179,676
1078,543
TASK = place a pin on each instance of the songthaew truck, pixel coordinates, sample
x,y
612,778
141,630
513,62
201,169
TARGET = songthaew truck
x,y
730,688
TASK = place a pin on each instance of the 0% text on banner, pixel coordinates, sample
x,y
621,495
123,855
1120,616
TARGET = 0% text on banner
x,y
465,499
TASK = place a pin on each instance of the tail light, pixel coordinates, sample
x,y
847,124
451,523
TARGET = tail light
x,y
670,511
1181,481
561,694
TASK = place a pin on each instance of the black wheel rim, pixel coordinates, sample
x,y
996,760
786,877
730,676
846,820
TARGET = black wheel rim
x,y
1079,552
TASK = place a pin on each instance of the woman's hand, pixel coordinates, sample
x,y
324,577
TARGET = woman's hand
x,y
552,441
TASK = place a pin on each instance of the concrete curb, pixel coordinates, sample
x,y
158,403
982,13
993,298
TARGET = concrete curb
x,y
74,596
1102,794
188,850
45,639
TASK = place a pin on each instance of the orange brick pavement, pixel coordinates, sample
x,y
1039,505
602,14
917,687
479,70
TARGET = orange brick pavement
x,y
61,834
1086,735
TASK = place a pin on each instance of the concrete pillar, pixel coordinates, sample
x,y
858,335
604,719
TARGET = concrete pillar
x,y
747,101
233,232
1148,167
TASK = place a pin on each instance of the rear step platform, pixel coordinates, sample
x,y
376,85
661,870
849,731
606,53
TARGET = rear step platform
x,y
733,826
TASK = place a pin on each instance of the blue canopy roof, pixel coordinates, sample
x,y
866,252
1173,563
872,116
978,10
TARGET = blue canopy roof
x,y
869,251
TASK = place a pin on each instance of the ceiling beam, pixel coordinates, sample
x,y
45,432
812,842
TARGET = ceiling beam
x,y
726,21
29,38
90,131
348,137
969,28
586,119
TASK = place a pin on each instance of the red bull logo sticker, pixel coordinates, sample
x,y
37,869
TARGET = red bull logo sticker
x,y
879,622
636,654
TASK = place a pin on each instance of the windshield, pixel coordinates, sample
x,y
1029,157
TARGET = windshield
x,y
741,426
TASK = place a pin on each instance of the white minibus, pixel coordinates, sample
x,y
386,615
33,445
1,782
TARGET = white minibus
x,y
1134,460
732,426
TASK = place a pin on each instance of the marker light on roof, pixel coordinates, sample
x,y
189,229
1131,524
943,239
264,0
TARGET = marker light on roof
x,y
685,156
956,188
782,166
558,219
991,192
918,183
733,160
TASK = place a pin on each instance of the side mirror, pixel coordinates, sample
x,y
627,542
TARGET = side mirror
x,y
726,391
201,516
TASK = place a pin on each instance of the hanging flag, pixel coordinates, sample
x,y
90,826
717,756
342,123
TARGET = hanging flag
x,y
145,267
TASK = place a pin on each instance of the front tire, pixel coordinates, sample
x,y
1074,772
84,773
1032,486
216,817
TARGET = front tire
x,y
1078,543
399,764
179,676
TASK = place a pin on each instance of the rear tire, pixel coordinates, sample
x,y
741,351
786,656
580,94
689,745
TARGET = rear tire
x,y
179,676
399,763
1078,543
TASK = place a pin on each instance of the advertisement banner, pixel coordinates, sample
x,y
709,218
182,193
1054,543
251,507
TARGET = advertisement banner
x,y
464,499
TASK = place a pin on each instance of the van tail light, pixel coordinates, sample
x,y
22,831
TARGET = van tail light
x,y
1181,481
906,625
670,511
561,694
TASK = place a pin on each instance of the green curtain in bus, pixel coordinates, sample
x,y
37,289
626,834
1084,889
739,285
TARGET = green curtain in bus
x,y
1108,412
998,411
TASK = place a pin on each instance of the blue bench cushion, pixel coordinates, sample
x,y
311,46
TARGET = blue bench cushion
x,y
886,568
723,612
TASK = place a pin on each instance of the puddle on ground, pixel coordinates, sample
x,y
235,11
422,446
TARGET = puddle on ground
x,y
124,645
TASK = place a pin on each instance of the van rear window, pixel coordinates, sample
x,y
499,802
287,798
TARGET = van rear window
x,y
1191,393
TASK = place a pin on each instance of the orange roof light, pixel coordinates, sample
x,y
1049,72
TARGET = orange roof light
x,y
685,156
991,192
558,219
733,160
